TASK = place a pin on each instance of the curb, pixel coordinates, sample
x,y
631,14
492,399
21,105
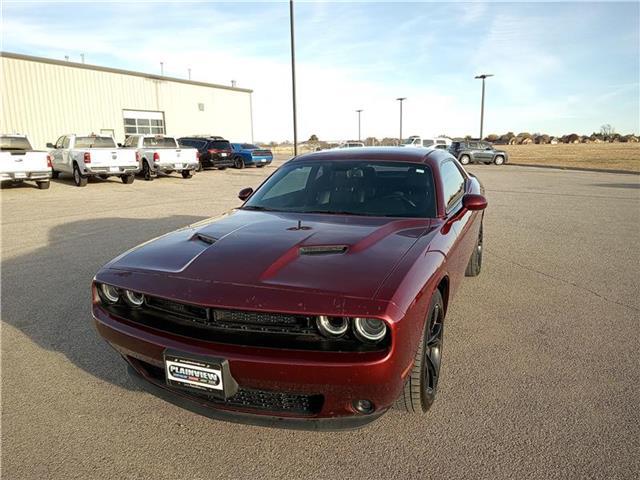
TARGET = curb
x,y
578,169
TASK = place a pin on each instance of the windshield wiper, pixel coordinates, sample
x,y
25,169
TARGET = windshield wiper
x,y
259,208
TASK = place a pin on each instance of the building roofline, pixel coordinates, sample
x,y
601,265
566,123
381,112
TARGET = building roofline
x,y
65,63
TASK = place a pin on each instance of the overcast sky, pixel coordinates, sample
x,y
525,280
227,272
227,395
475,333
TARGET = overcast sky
x,y
559,67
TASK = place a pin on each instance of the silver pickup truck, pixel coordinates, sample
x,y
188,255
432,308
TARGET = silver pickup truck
x,y
20,162
157,153
84,156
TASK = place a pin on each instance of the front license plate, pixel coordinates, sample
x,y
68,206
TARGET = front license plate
x,y
193,373
114,169
179,166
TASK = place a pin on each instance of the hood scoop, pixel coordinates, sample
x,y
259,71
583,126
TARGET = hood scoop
x,y
323,250
204,238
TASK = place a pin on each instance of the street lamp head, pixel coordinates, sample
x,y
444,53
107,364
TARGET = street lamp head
x,y
484,75
401,98
359,111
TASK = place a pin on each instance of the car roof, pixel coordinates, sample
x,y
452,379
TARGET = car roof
x,y
204,137
382,154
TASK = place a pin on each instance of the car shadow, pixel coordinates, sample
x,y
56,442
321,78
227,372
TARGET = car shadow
x,y
618,185
46,293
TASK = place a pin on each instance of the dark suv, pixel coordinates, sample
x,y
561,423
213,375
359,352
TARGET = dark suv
x,y
212,151
476,151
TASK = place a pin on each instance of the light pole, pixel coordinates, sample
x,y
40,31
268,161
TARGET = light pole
x,y
162,69
401,99
483,77
189,70
359,112
293,80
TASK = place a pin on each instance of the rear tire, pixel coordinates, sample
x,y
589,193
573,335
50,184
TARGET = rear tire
x,y
43,185
259,166
499,160
421,385
79,179
238,163
128,179
55,174
465,159
146,171
187,174
475,262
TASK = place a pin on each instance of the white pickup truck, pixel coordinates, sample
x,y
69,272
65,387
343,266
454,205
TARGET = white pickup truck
x,y
157,153
20,162
84,156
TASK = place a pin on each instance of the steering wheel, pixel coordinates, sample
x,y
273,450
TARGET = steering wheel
x,y
399,196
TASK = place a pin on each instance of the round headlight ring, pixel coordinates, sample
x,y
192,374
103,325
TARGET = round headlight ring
x,y
369,329
332,327
134,299
110,293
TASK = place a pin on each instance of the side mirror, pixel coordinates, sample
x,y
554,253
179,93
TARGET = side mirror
x,y
472,201
245,193
50,145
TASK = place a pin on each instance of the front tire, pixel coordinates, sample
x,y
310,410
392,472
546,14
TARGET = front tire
x,y
43,185
499,160
187,174
79,179
421,385
475,262
465,159
128,179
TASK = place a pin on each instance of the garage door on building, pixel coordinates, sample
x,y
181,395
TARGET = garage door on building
x,y
143,122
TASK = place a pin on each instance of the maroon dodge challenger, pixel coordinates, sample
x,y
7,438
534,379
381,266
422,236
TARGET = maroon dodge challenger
x,y
318,304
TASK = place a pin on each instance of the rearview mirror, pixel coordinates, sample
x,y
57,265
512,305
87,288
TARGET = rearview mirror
x,y
472,201
50,145
245,193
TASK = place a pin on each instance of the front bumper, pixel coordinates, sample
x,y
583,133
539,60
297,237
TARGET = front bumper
x,y
19,176
341,378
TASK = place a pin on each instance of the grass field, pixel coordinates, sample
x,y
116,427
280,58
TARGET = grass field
x,y
607,156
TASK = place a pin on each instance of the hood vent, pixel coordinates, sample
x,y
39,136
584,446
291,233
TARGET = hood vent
x,y
204,238
323,250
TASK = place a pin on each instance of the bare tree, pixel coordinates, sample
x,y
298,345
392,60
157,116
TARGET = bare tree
x,y
607,131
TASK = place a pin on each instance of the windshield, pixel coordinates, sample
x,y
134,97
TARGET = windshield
x,y
386,189
95,142
160,142
14,143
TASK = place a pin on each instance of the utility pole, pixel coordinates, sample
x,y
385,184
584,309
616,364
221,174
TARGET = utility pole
x,y
401,99
189,70
82,57
293,79
162,69
483,77
359,112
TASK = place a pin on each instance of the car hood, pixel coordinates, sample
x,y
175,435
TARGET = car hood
x,y
348,255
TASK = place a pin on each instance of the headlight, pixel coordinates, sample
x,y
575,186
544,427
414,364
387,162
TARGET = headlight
x,y
134,299
110,293
332,326
369,329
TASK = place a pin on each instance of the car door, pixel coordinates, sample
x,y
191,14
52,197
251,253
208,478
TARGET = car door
x,y
460,244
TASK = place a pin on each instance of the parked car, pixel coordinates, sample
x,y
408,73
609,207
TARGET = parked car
x,y
319,303
20,162
247,154
85,156
425,142
213,151
475,151
157,153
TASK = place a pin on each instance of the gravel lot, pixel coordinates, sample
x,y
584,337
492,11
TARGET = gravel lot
x,y
540,379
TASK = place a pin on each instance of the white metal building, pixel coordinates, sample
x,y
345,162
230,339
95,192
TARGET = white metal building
x,y
47,98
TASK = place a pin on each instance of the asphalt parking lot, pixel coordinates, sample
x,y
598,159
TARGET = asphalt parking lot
x,y
540,378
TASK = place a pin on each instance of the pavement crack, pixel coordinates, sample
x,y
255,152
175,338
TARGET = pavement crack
x,y
562,280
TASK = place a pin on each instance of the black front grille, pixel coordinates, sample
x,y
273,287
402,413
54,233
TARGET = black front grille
x,y
261,322
265,400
